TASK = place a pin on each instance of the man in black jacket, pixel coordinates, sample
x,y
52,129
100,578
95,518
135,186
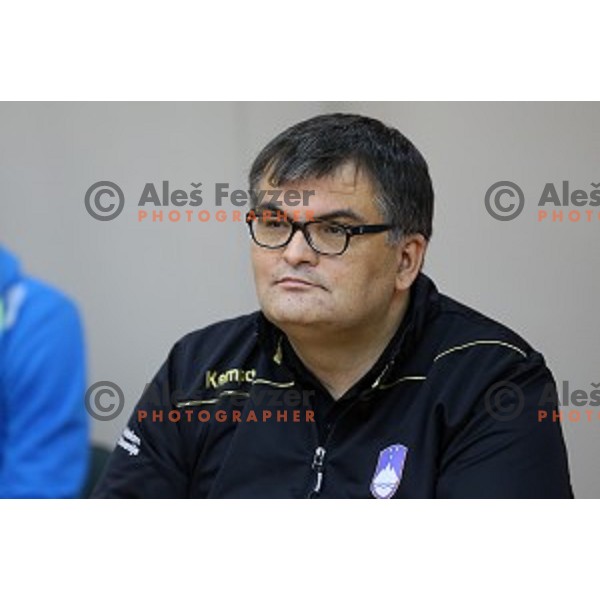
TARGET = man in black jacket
x,y
356,379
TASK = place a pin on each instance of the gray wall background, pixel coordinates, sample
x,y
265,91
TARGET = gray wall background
x,y
140,286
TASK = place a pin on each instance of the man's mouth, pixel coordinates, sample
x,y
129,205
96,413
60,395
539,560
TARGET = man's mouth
x,y
296,283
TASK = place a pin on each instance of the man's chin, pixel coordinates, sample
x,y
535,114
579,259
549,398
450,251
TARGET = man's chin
x,y
292,317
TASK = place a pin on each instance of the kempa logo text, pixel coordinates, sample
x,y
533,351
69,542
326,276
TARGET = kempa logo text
x,y
105,200
504,201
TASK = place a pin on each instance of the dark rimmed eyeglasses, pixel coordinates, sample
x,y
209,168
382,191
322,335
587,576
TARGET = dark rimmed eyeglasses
x,y
324,237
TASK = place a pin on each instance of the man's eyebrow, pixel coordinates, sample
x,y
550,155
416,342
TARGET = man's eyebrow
x,y
342,213
272,206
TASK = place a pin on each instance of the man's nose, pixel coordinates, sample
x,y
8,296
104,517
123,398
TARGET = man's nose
x,y
298,250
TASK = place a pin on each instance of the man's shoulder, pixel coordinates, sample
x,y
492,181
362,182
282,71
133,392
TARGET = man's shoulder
x,y
465,354
227,332
31,302
229,344
459,325
47,294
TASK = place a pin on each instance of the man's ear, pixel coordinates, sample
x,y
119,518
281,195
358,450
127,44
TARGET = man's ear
x,y
410,255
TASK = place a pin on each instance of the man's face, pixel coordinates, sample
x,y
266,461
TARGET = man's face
x,y
357,289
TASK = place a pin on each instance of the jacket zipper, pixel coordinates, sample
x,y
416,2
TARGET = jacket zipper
x,y
318,461
317,466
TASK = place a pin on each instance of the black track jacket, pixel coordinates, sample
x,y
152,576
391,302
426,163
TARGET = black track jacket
x,y
452,409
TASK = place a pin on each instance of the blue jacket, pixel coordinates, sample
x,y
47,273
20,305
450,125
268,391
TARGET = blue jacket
x,y
43,422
